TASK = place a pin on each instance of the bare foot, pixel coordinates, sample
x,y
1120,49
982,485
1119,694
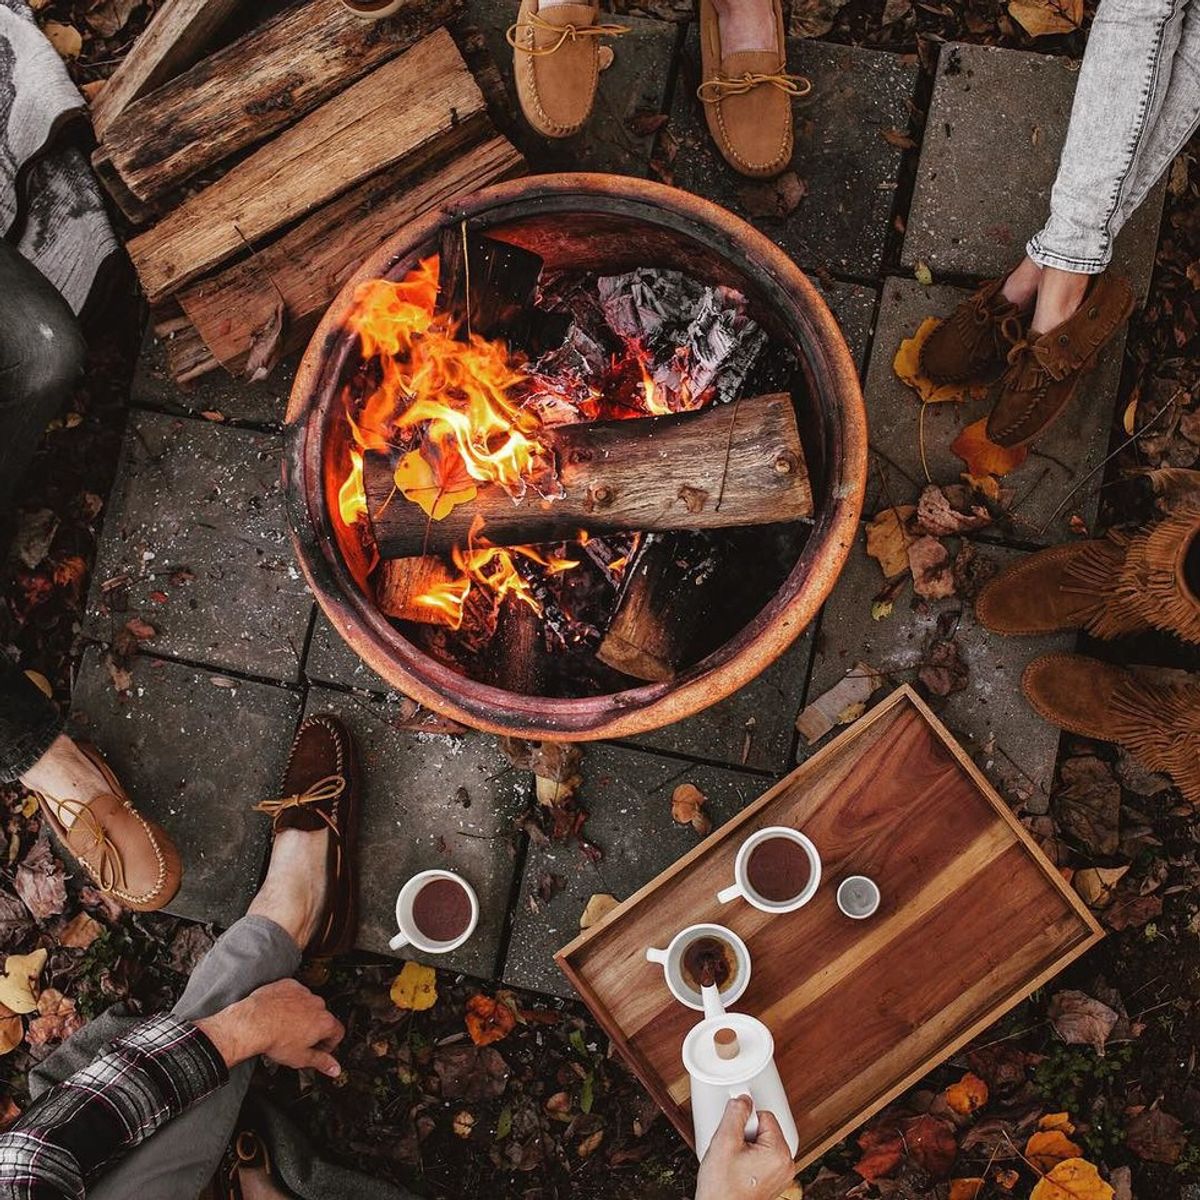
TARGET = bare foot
x,y
293,893
1021,287
65,773
1059,296
746,25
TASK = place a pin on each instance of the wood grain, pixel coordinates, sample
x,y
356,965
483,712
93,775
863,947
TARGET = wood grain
x,y
421,104
261,83
309,263
973,919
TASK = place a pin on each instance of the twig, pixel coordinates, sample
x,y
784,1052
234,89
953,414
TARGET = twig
x,y
728,451
258,262
921,441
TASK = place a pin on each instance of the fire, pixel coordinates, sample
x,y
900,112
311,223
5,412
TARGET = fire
x,y
352,496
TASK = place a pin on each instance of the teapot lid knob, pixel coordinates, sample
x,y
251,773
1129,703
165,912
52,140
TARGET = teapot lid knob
x,y
726,1043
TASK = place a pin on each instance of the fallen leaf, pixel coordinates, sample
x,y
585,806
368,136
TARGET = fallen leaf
x,y
418,481
12,1030
266,344
851,713
882,1149
1041,17
972,570
415,988
40,682
92,89
121,676
1132,912
1082,1021
812,18
1087,804
931,1144
15,922
80,932
943,671
1046,1148
462,1124
929,562
1122,1182
598,907
644,123
40,881
18,984
937,516
109,17
907,366
141,631
888,539
902,141
777,197
56,1021
34,534
982,456
469,1072
1060,1120
1098,885
488,1020
687,808
1073,1179
985,485
1005,1178
1156,1136
66,39
968,1095
857,686
965,1189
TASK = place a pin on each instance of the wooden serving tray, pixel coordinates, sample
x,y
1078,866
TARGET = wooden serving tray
x,y
973,919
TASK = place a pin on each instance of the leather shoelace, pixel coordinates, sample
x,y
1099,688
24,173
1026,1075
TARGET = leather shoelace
x,y
329,788
711,91
109,871
565,33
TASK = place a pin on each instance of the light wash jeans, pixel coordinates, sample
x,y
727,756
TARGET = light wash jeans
x,y
1136,104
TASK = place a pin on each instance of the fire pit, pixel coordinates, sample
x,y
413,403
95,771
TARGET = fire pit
x,y
733,476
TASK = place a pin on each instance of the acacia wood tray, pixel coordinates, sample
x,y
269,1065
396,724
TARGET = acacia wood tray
x,y
973,919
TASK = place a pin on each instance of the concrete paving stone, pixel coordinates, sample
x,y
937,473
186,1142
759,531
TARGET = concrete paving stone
x,y
628,797
755,727
997,122
1057,462
195,533
431,801
218,391
636,83
1015,748
854,307
194,755
330,660
850,170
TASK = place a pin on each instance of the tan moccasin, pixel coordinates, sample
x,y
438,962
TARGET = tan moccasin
x,y
747,98
557,59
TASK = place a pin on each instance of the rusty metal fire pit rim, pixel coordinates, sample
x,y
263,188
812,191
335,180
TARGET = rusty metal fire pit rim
x,y
635,710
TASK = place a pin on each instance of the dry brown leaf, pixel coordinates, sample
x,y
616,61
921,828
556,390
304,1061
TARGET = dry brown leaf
x,y
966,1189
1042,17
1098,885
40,881
598,907
56,1021
80,932
66,39
776,197
590,1144
19,982
929,561
936,514
1087,805
1082,1021
968,1095
983,456
943,671
888,539
1060,1120
687,808
812,18
1073,1179
488,1020
1156,1136
109,17
12,1030
463,1123
266,344
907,366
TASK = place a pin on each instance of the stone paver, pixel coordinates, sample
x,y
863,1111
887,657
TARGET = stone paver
x,y
330,660
1057,462
636,83
628,796
1013,745
195,522
195,754
235,399
431,801
996,125
850,170
854,307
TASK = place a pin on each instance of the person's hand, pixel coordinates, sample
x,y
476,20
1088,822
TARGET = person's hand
x,y
284,1021
735,1169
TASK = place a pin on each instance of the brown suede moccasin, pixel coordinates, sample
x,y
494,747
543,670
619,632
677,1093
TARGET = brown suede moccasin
x,y
128,857
1044,373
971,345
321,791
747,98
557,61
1158,723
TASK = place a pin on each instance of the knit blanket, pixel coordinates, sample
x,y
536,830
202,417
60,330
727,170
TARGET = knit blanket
x,y
50,202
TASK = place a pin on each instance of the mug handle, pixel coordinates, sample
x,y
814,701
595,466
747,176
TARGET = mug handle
x,y
398,940
751,1132
656,956
732,892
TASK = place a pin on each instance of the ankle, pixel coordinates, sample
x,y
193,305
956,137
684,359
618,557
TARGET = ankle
x,y
746,25
293,892
1059,297
64,772
1021,287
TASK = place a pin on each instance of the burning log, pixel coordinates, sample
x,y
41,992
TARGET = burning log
x,y
399,582
738,464
516,658
662,606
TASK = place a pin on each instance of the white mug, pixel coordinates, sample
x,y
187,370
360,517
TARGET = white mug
x,y
409,934
741,885
671,960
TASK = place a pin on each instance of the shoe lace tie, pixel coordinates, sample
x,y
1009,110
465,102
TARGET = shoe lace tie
x,y
329,788
712,91
109,869
566,33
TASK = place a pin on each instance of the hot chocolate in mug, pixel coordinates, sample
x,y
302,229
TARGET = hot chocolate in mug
x,y
436,912
777,869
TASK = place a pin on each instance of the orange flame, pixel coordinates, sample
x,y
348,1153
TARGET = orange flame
x,y
352,496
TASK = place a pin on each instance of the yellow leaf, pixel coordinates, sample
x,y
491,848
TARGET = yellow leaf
x,y
1129,420
968,1095
417,481
598,907
1041,17
922,274
881,609
906,364
64,38
1073,1179
850,713
965,1189
29,805
982,455
40,682
985,485
18,984
415,988
1059,1120
887,539
1048,1147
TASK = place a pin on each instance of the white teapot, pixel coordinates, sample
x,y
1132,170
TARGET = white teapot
x,y
729,1055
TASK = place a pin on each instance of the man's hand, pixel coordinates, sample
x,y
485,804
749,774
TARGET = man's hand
x,y
284,1021
735,1169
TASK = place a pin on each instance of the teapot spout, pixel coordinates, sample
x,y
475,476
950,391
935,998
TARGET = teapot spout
x,y
712,1001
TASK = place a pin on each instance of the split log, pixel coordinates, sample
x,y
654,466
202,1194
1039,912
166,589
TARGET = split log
x,y
178,35
135,211
486,286
308,264
516,656
419,106
399,581
737,464
258,85
664,604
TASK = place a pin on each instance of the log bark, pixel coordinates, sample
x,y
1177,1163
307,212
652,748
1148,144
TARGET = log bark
x,y
417,107
737,464
664,603
177,36
248,91
516,657
309,263
399,581
486,286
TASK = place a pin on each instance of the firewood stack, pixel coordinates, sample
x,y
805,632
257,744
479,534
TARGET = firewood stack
x,y
260,175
